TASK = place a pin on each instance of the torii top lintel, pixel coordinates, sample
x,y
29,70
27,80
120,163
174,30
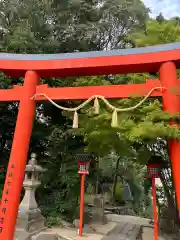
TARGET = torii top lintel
x,y
133,60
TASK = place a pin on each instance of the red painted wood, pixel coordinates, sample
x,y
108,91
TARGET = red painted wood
x,y
81,205
11,95
17,162
85,92
166,61
111,92
171,102
147,62
155,214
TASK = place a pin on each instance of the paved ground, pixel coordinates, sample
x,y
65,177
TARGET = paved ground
x,y
129,219
71,234
124,231
118,228
148,233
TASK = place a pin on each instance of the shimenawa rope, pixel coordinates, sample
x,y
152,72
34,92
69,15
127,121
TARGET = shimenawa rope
x,y
115,110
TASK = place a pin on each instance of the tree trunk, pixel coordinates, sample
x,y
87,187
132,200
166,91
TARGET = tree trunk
x,y
115,179
170,199
175,202
97,177
173,187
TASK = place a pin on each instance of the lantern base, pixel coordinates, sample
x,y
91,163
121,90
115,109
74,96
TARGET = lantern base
x,y
83,172
29,223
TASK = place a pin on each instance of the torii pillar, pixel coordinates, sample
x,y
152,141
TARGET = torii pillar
x,y
18,157
163,58
171,102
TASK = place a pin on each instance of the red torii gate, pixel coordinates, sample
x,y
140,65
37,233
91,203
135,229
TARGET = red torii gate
x,y
163,59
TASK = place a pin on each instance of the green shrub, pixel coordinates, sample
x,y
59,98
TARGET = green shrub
x,y
118,193
90,189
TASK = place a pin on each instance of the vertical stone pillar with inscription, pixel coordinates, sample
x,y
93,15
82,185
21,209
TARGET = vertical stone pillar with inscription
x,y
30,220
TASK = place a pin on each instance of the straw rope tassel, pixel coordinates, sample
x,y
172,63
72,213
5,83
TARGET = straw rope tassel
x,y
96,106
96,98
114,122
75,120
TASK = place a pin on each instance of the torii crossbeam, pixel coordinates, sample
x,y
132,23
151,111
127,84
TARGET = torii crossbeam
x,y
164,59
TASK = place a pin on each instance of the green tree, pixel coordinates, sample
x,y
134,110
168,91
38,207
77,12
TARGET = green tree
x,y
165,31
160,18
51,27
133,127
157,32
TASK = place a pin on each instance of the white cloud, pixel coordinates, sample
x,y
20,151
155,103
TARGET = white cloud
x,y
169,8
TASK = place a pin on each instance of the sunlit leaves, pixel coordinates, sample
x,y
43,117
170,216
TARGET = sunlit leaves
x,y
157,33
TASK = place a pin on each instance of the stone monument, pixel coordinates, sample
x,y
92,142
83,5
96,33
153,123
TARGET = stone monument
x,y
30,220
98,211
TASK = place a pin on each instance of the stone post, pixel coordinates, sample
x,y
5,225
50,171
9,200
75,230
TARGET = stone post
x,y
30,220
98,211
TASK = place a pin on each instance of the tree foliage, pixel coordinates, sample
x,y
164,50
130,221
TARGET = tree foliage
x,y
157,32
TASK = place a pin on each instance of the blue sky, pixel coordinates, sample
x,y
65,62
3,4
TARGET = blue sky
x,y
169,8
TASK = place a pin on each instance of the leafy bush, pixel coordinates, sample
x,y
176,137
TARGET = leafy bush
x,y
90,189
118,194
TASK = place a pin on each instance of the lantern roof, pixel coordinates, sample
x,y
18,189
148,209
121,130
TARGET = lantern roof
x,y
157,159
83,156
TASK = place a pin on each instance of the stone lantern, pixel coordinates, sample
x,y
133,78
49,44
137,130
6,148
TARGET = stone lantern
x,y
30,220
83,163
154,166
